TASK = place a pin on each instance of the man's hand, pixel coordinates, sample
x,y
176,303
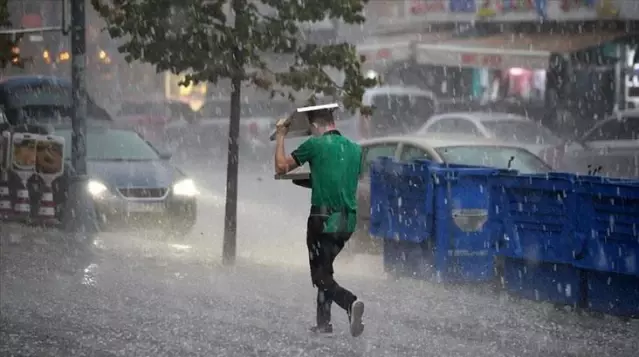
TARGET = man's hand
x,y
283,163
282,126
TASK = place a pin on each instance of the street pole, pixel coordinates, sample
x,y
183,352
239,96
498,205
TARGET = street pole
x,y
79,216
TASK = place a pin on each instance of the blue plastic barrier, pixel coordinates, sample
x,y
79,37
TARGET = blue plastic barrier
x,y
464,238
536,215
608,219
380,214
562,238
554,282
614,294
442,227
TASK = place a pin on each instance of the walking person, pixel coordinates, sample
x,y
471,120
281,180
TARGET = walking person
x,y
335,163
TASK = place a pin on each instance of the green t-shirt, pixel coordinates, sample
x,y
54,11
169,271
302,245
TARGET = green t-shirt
x,y
335,163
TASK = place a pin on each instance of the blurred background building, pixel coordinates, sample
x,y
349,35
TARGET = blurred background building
x,y
563,52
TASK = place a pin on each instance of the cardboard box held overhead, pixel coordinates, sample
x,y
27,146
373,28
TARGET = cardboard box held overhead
x,y
298,122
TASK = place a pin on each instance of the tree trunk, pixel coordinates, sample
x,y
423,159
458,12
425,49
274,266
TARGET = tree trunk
x,y
229,248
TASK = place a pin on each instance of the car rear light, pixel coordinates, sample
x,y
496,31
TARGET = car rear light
x,y
253,129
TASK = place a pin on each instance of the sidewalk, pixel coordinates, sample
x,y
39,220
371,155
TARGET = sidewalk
x,y
120,302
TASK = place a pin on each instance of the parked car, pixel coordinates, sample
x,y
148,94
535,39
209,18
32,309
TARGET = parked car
x,y
396,110
500,126
33,98
610,148
134,183
465,150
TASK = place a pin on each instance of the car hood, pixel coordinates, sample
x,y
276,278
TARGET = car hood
x,y
535,148
139,174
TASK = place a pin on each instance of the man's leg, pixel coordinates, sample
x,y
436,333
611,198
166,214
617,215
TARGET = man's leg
x,y
316,262
331,246
324,303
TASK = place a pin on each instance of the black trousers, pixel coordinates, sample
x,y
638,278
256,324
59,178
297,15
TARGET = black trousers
x,y
323,248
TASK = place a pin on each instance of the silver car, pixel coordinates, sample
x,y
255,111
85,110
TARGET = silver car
x,y
610,148
440,149
509,128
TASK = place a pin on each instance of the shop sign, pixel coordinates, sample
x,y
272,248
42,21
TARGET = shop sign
x,y
480,60
607,9
518,6
463,6
463,56
384,52
418,7
576,5
495,8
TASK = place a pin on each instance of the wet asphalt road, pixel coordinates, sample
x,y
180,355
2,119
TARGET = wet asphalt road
x,y
135,295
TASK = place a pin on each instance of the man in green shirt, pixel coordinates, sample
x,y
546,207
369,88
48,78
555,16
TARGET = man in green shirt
x,y
335,163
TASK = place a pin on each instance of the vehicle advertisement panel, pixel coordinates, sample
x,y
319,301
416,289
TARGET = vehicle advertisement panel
x,y
50,156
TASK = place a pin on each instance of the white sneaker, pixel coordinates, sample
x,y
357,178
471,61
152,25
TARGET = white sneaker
x,y
355,317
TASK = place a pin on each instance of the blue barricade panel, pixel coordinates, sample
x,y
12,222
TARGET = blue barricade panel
x,y
551,282
443,208
536,214
414,204
615,294
608,220
465,241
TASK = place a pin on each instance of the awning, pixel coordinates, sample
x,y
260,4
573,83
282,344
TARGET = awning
x,y
508,50
381,52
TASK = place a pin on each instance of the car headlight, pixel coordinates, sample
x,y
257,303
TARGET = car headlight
x,y
185,188
97,188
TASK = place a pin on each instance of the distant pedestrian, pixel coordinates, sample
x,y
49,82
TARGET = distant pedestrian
x,y
335,163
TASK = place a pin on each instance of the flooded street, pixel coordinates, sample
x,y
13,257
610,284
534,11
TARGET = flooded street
x,y
137,295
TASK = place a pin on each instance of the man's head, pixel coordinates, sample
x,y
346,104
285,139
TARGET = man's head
x,y
321,121
320,118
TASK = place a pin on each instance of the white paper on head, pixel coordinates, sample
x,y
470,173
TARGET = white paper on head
x,y
317,107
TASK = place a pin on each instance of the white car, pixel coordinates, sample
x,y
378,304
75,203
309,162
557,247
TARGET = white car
x,y
441,149
396,110
610,148
508,128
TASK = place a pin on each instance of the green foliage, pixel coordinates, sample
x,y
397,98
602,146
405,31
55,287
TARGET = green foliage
x,y
210,41
7,43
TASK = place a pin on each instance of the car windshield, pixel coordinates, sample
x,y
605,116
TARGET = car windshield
x,y
625,128
42,94
45,100
112,145
525,132
494,156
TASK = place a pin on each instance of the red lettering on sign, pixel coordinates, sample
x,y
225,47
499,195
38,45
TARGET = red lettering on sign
x,y
424,6
468,58
480,60
491,60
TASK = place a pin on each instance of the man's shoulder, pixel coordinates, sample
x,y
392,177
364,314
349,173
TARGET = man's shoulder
x,y
345,140
352,144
